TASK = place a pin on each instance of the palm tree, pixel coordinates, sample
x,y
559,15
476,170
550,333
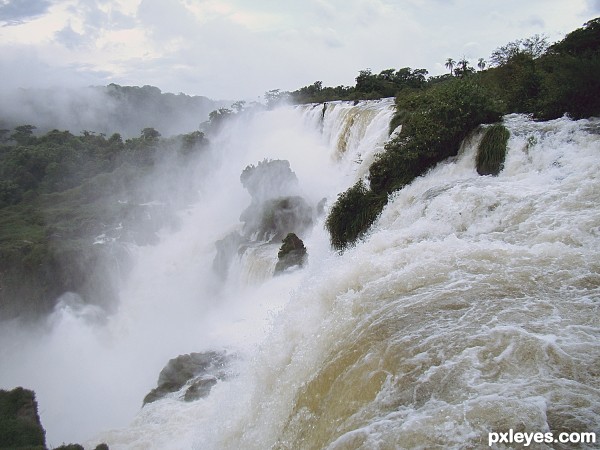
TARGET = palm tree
x,y
481,64
450,63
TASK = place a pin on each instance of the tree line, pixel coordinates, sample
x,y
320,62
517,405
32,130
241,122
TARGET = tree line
x,y
60,191
527,76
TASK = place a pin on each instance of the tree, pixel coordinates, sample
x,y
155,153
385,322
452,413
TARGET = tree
x,y
115,138
518,83
239,105
534,46
150,134
406,77
275,97
365,81
23,134
481,63
193,139
217,117
463,68
581,42
450,63
387,74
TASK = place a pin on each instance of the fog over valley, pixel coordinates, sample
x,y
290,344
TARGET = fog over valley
x,y
112,109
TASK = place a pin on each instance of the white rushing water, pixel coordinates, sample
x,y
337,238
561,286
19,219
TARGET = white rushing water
x,y
470,307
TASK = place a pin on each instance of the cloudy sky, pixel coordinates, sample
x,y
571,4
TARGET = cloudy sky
x,y
238,49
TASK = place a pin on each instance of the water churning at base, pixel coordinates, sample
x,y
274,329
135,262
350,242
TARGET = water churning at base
x,y
470,307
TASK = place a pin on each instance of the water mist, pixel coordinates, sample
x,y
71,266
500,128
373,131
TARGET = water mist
x,y
470,307
91,371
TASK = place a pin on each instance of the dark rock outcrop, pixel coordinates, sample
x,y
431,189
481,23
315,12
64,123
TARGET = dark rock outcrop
x,y
269,179
198,371
276,209
273,219
20,425
291,254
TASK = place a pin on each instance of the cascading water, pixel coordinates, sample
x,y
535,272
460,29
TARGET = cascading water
x,y
470,307
91,372
353,132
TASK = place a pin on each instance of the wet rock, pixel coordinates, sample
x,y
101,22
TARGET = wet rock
x,y
269,179
200,388
291,254
198,371
273,219
276,209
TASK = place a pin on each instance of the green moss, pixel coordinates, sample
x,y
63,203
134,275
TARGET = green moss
x,y
492,150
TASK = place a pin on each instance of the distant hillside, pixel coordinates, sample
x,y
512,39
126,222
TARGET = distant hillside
x,y
105,109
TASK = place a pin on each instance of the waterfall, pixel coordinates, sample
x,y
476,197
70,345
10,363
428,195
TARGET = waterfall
x,y
471,305
353,132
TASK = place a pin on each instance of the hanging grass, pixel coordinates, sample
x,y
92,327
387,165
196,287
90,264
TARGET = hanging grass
x,y
352,214
492,150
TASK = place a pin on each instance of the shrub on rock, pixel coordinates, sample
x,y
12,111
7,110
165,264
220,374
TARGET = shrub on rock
x,y
291,254
492,150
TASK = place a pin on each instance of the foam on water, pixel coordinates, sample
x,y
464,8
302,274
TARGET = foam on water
x,y
471,306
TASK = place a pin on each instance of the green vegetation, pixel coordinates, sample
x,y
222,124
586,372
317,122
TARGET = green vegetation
x,y
492,150
352,214
20,426
528,76
368,86
58,192
549,81
434,123
105,109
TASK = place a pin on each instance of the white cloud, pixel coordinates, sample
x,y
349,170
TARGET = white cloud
x,y
239,49
13,12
